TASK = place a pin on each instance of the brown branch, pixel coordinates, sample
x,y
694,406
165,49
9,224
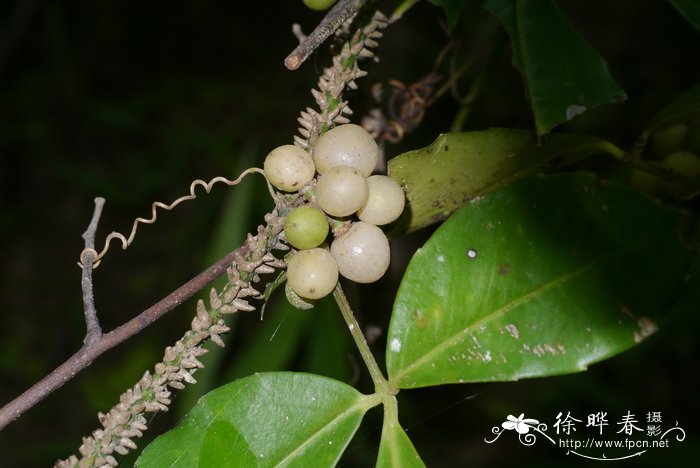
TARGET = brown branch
x,y
340,13
94,331
84,357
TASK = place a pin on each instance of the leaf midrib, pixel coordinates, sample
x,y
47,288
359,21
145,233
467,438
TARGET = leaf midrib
x,y
362,401
430,355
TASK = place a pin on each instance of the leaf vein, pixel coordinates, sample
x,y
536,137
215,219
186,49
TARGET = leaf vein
x,y
290,456
456,338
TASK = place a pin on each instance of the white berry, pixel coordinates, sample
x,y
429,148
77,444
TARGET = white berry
x,y
341,191
385,201
346,145
312,274
362,253
289,168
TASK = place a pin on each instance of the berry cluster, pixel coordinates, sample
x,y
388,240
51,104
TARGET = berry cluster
x,y
344,158
675,148
678,146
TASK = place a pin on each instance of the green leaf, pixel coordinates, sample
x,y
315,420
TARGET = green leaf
x,y
457,167
684,107
544,277
279,419
689,9
452,8
401,8
563,75
396,449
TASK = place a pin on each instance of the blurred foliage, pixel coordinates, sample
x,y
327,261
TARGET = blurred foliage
x,y
563,75
131,101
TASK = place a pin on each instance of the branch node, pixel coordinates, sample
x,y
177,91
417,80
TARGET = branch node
x,y
340,13
87,257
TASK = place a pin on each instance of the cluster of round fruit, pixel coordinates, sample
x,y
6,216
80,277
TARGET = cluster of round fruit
x,y
677,146
344,158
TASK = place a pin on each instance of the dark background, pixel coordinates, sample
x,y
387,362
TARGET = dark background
x,y
133,100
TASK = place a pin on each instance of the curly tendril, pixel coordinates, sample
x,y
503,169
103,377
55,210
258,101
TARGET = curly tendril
x,y
126,241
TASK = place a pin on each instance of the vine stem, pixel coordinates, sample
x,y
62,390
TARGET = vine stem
x,y
91,350
94,332
383,389
381,384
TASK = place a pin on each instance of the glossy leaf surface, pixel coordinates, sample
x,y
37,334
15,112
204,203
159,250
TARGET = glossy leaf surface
x,y
277,419
563,75
457,167
544,277
396,449
684,107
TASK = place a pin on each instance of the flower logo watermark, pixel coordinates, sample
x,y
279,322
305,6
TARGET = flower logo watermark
x,y
520,424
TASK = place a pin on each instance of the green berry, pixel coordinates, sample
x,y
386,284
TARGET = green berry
x,y
346,145
312,274
341,191
319,4
385,201
306,227
289,168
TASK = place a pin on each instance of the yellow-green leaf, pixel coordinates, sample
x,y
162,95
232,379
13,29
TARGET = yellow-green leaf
x,y
457,167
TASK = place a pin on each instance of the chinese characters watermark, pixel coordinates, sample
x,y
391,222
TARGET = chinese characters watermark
x,y
627,435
